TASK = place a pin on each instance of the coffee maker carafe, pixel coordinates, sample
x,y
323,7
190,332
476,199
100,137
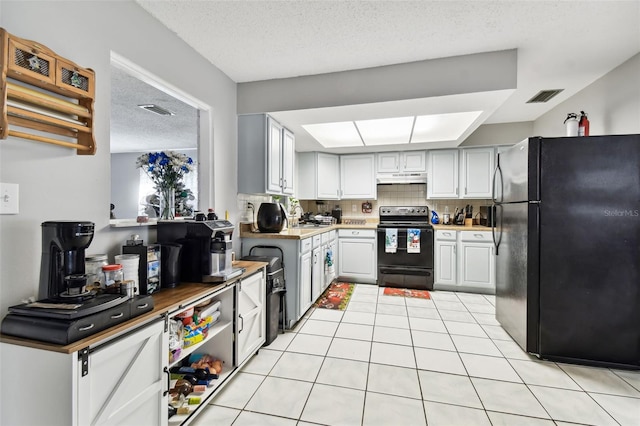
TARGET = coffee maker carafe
x,y
63,250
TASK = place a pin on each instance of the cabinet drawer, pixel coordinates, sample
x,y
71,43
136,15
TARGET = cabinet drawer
x,y
476,236
332,235
356,233
317,240
305,245
325,238
446,235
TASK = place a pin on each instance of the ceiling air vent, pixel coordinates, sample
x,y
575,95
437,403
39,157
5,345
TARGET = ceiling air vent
x,y
544,96
156,109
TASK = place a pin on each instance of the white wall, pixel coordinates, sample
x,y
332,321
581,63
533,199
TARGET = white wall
x,y
612,104
57,184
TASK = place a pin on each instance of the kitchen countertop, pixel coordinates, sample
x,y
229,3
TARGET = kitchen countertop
x,y
299,233
463,228
165,301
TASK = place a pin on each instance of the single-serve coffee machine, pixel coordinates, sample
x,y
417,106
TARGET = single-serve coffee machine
x,y
62,265
206,248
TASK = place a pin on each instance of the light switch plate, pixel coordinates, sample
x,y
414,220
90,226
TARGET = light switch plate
x,y
9,198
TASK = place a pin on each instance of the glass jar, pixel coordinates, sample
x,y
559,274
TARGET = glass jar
x,y
113,277
93,268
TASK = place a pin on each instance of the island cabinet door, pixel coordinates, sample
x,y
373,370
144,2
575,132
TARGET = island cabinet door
x,y
251,316
123,381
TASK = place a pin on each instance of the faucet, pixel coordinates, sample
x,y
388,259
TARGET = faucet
x,y
294,217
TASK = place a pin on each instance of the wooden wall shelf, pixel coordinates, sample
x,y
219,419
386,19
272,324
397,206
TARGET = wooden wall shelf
x,y
44,97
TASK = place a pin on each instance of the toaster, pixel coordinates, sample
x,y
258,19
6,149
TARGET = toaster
x,y
488,216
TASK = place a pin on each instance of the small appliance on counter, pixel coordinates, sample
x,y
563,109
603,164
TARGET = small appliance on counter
x,y
149,265
271,217
67,310
488,215
337,213
206,249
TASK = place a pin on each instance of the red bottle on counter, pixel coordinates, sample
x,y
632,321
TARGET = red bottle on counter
x,y
583,125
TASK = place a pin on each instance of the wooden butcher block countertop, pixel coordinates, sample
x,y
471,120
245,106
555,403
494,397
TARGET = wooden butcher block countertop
x,y
165,301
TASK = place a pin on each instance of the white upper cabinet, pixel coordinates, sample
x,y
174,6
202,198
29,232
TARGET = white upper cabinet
x,y
442,174
318,176
288,161
460,173
358,176
477,172
266,156
400,162
274,156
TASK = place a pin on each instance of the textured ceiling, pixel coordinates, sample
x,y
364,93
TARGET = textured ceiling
x,y
561,44
134,129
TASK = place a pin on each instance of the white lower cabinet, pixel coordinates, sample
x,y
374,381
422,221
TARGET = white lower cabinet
x,y
304,285
117,382
445,257
477,261
357,255
251,293
125,379
317,275
464,260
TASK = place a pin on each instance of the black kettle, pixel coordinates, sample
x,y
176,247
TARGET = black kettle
x,y
271,217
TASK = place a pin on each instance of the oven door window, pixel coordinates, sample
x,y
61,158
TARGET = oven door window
x,y
423,259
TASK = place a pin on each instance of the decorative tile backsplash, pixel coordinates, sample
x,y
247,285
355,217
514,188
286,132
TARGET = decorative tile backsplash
x,y
392,195
388,195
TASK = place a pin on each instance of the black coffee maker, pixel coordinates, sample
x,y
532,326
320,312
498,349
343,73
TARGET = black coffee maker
x,y
62,271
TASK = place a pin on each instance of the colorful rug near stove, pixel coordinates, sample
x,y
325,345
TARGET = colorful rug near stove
x,y
420,294
336,296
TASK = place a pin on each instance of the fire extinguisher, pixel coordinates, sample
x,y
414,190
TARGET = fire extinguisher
x,y
583,125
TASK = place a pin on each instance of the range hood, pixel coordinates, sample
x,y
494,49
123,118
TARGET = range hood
x,y
388,178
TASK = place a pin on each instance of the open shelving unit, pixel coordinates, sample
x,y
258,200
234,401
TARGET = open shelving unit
x,y
218,343
45,97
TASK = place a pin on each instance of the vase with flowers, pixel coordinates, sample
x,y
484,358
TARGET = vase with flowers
x,y
166,170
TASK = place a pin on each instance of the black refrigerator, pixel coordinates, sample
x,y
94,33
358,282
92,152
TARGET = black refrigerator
x,y
567,239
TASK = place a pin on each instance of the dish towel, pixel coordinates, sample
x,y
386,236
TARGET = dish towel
x,y
391,240
413,240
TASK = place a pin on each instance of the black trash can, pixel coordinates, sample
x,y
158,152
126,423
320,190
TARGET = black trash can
x,y
275,309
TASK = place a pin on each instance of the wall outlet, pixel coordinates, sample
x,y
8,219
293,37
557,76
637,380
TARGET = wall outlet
x,y
9,198
354,208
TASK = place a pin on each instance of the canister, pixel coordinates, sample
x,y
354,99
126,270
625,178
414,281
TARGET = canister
x,y
113,276
93,264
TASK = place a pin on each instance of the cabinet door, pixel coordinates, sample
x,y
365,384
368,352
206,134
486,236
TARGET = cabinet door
x,y
413,161
328,176
477,266
443,174
330,271
357,258
305,282
445,262
251,315
357,176
477,172
316,274
125,381
288,161
274,157
388,162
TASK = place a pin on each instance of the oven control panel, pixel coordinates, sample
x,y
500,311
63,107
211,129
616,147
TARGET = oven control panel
x,y
404,211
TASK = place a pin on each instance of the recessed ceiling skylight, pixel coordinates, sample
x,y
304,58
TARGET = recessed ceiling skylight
x,y
335,135
385,131
393,131
442,127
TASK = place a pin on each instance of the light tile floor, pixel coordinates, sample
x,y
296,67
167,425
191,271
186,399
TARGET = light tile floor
x,y
389,360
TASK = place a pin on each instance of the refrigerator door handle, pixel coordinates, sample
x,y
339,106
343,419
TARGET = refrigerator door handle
x,y
497,171
498,219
